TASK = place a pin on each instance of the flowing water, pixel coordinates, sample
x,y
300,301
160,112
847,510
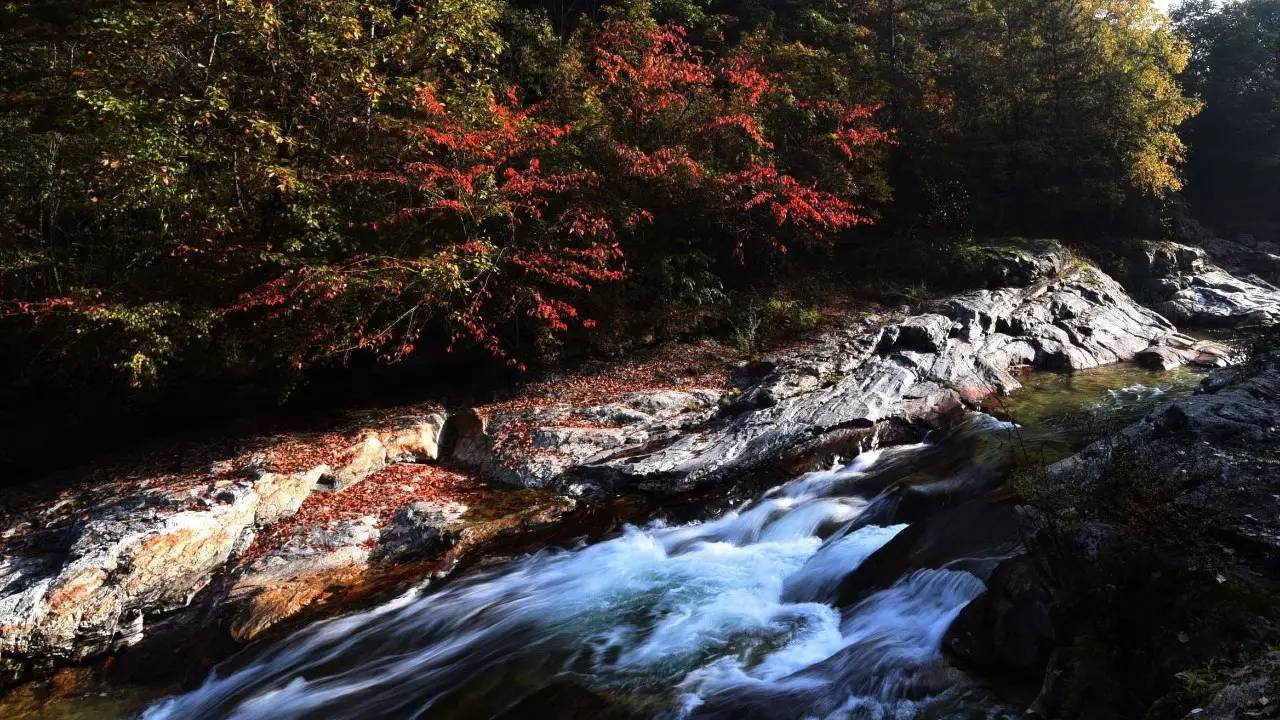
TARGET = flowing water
x,y
669,620
740,615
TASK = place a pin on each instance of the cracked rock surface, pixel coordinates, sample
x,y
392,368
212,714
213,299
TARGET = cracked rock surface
x,y
852,381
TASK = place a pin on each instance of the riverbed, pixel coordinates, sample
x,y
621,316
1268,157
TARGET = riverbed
x,y
742,614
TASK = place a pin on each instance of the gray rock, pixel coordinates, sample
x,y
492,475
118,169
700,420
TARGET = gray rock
x,y
850,384
422,528
1015,263
1218,449
1188,289
536,447
1159,358
1009,628
1250,257
299,573
1232,432
97,584
853,380
923,333
1166,259
129,562
1176,350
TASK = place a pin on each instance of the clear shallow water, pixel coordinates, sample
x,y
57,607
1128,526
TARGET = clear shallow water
x,y
1061,412
738,616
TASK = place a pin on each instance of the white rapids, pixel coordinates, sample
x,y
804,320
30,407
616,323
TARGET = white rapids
x,y
677,621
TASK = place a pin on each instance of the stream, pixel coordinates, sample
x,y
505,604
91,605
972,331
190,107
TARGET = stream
x,y
746,614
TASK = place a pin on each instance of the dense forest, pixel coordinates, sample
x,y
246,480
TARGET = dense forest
x,y
633,359
209,201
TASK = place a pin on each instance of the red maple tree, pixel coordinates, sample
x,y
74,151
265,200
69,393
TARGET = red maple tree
x,y
506,210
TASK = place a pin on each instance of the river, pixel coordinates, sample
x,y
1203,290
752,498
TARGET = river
x,y
745,614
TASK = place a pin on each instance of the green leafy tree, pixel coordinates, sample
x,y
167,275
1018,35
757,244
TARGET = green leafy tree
x,y
1031,115
1234,165
159,156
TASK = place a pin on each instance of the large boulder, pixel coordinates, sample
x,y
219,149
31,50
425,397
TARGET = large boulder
x,y
1188,289
1201,543
1009,628
299,574
983,531
326,562
856,381
95,590
1017,262
536,446
423,528
1245,256
410,439
1177,350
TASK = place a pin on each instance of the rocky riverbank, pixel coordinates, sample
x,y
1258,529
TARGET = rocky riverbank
x,y
240,542
851,385
1142,573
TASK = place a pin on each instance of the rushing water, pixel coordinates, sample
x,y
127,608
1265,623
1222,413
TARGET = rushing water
x,y
736,616
677,621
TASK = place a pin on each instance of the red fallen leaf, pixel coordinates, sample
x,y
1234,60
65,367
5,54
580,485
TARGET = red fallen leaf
x,y
380,495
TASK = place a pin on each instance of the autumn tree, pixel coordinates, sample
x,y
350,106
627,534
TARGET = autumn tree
x,y
202,194
158,159
506,214
1034,116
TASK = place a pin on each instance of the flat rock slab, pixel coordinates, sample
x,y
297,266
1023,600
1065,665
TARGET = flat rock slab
x,y
77,582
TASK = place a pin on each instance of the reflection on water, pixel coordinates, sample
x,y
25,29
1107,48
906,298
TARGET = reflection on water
x,y
1061,412
75,696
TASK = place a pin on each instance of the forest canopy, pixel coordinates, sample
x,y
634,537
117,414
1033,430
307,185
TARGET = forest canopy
x,y
199,191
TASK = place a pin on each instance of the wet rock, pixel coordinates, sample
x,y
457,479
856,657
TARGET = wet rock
x,y
1249,691
1166,259
1231,433
985,530
79,590
1245,256
1159,358
1009,628
566,698
1219,380
1229,419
